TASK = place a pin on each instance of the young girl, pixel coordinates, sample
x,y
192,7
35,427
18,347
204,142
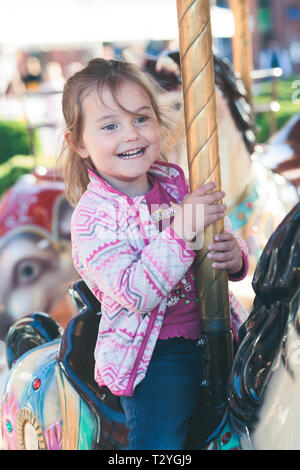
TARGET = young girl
x,y
132,245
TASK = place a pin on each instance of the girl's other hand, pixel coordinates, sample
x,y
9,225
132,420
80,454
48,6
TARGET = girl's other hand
x,y
226,253
198,210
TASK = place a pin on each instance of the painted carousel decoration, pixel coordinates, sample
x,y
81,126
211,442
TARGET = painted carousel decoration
x,y
51,400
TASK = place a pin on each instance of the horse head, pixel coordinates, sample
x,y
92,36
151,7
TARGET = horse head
x,y
35,249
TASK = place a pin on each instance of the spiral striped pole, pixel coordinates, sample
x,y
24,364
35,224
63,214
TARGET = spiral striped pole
x,y
197,68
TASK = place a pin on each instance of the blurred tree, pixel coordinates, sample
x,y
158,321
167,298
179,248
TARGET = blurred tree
x,y
14,140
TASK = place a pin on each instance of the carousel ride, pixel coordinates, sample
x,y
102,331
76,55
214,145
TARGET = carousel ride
x,y
51,401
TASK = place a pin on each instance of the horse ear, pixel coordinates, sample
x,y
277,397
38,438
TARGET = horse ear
x,y
64,215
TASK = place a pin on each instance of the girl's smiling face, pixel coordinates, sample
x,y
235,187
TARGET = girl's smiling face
x,y
122,143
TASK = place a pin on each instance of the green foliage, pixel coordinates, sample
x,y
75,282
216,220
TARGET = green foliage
x,y
287,109
15,153
263,127
11,171
284,89
14,140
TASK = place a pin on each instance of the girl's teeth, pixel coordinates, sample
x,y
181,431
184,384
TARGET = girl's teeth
x,y
131,153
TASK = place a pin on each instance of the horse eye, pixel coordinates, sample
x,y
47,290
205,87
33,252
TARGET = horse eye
x,y
28,271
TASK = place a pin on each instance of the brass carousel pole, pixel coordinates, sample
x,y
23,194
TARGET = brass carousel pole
x,y
242,43
197,68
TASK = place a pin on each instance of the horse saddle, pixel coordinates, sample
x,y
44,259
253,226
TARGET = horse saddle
x,y
78,342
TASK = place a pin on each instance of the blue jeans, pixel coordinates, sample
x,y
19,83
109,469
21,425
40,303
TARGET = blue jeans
x,y
159,412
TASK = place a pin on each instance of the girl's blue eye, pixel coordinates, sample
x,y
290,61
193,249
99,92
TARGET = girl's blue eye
x,y
109,127
142,119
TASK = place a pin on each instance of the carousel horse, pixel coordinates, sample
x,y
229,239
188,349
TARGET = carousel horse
x,y
35,253
265,376
251,189
282,153
257,201
51,400
35,250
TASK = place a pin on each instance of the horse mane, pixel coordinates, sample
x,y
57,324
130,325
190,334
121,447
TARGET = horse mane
x,y
227,81
233,89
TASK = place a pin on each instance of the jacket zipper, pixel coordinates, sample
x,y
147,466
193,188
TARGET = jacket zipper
x,y
129,388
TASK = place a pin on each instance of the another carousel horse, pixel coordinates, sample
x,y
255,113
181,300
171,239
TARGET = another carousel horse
x,y
257,199
35,254
51,400
282,153
251,190
265,377
35,250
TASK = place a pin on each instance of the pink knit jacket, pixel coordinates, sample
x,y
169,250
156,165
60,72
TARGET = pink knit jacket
x,y
131,268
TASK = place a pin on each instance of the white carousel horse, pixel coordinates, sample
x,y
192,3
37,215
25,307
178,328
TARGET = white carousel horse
x,y
257,199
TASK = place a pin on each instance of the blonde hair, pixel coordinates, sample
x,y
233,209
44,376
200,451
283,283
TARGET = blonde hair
x,y
98,73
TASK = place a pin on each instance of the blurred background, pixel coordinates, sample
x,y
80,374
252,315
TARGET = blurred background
x,y
43,42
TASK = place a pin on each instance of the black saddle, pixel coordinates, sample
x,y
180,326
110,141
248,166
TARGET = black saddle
x,y
76,352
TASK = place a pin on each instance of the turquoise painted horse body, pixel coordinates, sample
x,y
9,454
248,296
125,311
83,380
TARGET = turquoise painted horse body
x,y
51,400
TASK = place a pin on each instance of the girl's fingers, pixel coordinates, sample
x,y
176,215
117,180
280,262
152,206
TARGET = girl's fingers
x,y
224,236
204,188
210,198
220,256
222,265
227,245
215,208
210,219
230,266
226,254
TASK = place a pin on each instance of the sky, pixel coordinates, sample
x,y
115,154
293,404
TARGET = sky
x,y
32,22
